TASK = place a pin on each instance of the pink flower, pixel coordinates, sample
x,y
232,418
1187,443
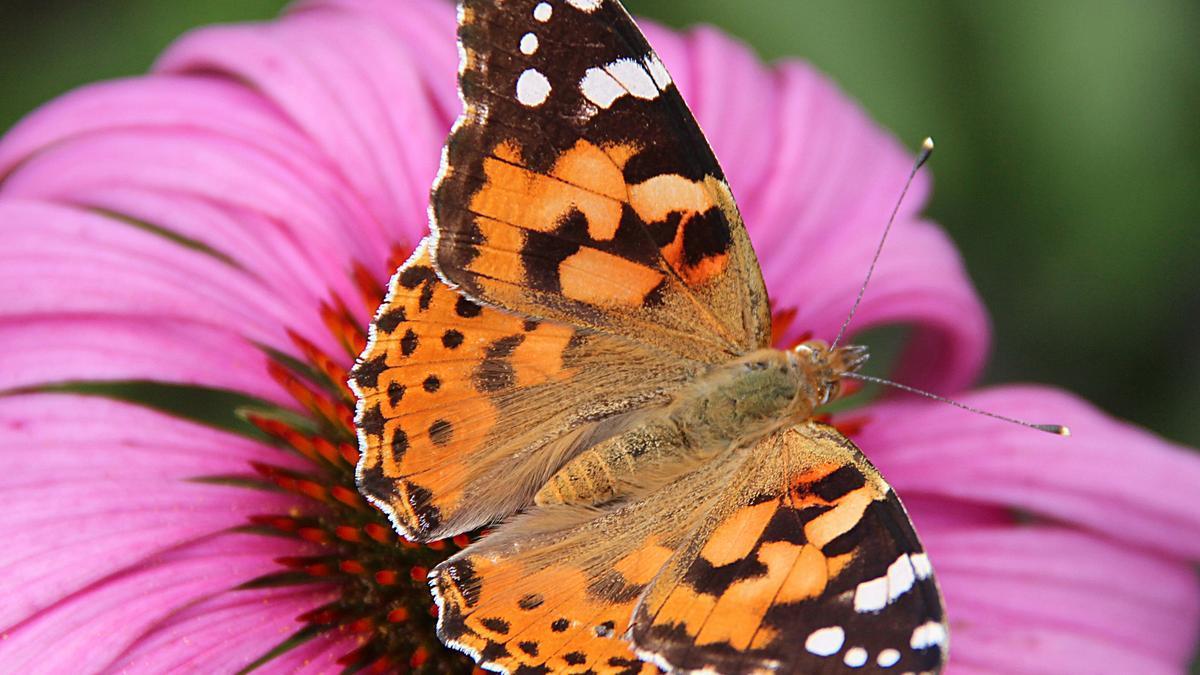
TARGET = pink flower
x,y
220,229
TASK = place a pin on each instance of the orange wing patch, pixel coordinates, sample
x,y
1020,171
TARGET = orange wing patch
x,y
694,203
586,183
578,242
586,177
755,559
604,279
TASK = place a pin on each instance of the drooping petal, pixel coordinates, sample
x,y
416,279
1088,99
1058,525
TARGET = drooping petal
x,y
93,488
1107,476
1050,600
100,622
160,103
228,632
919,282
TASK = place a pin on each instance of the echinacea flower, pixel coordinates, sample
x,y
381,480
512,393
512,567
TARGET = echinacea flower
x,y
212,238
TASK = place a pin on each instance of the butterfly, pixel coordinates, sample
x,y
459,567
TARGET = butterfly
x,y
580,352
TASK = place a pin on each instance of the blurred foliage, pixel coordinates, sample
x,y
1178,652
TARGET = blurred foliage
x,y
1068,164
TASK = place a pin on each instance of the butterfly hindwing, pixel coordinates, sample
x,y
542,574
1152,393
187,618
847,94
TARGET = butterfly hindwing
x,y
577,187
811,567
466,410
792,557
556,587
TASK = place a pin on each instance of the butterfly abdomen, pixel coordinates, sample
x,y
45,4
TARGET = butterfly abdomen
x,y
608,470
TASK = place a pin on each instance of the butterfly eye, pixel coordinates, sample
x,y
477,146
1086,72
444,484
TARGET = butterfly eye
x,y
830,390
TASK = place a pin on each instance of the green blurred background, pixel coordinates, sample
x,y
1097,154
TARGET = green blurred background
x,y
1068,164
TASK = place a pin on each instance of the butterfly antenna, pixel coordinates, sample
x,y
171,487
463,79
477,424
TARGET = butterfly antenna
x,y
926,151
1056,429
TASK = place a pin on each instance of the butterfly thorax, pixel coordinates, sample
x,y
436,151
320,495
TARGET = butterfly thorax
x,y
738,403
730,407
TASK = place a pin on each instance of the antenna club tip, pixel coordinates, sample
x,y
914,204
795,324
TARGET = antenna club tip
x,y
927,144
1056,429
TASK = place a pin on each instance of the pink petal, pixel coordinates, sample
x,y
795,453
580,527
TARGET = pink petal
x,y
47,350
297,270
98,623
1108,475
58,260
160,103
941,513
281,252
214,168
919,281
1049,600
92,479
425,27
228,632
352,87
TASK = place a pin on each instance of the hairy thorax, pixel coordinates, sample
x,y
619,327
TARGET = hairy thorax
x,y
730,407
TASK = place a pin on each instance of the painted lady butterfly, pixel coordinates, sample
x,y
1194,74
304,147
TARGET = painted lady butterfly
x,y
582,347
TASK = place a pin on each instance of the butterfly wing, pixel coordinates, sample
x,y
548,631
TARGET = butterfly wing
x,y
465,410
577,186
793,557
556,587
812,566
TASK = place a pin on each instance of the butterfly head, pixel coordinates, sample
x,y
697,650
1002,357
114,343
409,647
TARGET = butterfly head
x,y
825,366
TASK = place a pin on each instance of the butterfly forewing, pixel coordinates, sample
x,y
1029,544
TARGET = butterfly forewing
x,y
577,187
466,410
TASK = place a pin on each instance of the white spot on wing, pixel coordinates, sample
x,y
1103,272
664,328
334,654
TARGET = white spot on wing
x,y
588,6
658,72
543,11
600,88
855,657
532,88
900,577
921,566
825,641
888,658
634,78
928,634
871,596
874,595
643,79
529,44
